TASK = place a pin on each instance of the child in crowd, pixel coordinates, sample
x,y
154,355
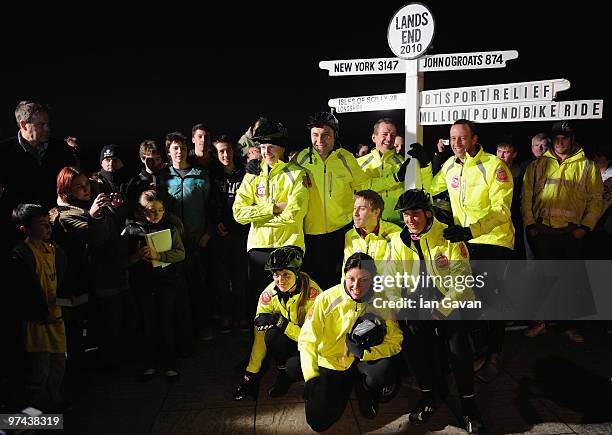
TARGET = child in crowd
x,y
155,287
40,265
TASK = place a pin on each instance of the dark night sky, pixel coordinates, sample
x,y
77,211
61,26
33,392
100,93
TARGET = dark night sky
x,y
120,78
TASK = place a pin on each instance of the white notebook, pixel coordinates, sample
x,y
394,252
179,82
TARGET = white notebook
x,y
160,241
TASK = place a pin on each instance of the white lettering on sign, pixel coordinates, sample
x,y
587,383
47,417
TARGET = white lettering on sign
x,y
513,112
411,31
389,65
368,103
503,93
460,61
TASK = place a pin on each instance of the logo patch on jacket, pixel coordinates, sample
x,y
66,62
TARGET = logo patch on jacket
x,y
501,175
261,190
313,292
441,261
310,313
463,250
265,298
454,182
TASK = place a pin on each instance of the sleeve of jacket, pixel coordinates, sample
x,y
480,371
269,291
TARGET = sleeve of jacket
x,y
309,338
177,253
594,197
438,182
245,209
391,345
500,199
297,204
527,194
259,350
459,267
364,177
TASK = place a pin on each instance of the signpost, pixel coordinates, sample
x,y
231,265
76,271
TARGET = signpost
x,y
410,33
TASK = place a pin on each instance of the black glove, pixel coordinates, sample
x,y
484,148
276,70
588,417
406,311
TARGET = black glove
x,y
457,233
353,347
249,387
264,321
253,167
419,153
310,386
281,322
400,175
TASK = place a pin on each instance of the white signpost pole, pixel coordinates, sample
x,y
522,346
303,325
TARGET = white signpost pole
x,y
409,35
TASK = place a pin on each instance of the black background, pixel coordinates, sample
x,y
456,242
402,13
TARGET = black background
x,y
113,76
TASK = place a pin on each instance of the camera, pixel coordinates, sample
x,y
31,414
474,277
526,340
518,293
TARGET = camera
x,y
446,142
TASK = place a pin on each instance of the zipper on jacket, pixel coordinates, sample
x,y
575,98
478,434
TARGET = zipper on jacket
x,y
324,196
462,194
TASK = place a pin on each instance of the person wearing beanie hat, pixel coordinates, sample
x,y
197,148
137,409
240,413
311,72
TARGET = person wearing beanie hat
x,y
112,178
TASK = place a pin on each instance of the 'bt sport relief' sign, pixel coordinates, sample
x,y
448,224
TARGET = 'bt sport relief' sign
x,y
411,31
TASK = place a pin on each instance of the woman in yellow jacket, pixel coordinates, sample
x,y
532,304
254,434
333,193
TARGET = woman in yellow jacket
x,y
281,312
344,343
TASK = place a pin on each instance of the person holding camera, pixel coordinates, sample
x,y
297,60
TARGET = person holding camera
x,y
281,312
345,344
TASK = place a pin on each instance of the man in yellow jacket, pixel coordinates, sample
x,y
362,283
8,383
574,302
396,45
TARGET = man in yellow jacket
x,y
343,343
333,176
370,234
274,202
421,250
385,159
562,202
480,188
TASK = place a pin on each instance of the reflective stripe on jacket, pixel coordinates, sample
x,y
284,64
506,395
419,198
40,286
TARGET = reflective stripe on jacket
x,y
562,193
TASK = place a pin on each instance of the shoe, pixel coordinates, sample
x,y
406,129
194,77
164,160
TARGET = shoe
x,y
147,375
172,376
490,370
537,328
368,407
226,326
574,336
422,412
206,334
281,385
244,325
248,388
473,425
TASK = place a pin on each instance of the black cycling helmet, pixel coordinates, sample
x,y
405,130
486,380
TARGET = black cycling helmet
x,y
413,199
287,257
271,132
563,128
324,118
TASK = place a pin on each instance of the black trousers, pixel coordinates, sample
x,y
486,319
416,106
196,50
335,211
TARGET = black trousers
x,y
323,259
258,278
284,350
230,266
423,342
158,309
330,393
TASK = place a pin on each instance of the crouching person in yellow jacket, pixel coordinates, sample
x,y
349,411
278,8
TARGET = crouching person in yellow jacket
x,y
281,312
344,344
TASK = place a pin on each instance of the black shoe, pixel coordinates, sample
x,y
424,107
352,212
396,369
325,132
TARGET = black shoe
x,y
388,392
281,385
473,425
368,406
422,412
147,375
172,376
248,388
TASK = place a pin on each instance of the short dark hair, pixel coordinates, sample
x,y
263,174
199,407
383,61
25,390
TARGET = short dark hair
x,y
360,260
374,198
199,126
148,146
24,214
470,124
175,136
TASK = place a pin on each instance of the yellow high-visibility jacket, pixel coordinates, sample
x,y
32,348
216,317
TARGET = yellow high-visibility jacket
x,y
270,303
448,263
333,183
562,193
480,191
255,201
322,341
377,246
387,164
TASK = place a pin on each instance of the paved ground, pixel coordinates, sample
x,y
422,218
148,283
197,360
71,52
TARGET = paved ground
x,y
548,386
